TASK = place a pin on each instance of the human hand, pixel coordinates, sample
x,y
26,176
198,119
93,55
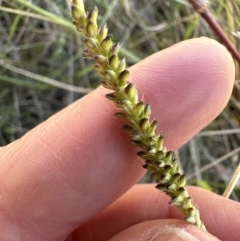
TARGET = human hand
x,y
62,180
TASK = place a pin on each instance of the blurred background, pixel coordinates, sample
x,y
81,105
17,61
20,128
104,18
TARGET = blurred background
x,y
42,69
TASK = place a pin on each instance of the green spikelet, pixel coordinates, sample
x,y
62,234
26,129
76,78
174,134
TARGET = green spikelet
x,y
159,162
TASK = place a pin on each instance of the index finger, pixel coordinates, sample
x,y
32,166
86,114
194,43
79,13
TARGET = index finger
x,y
79,161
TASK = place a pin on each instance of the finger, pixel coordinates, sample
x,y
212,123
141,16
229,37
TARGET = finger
x,y
80,160
143,203
184,88
162,230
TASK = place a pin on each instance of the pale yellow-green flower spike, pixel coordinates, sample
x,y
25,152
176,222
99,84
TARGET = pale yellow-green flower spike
x,y
162,165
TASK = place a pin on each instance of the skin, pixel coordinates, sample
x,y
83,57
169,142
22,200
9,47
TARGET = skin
x,y
73,177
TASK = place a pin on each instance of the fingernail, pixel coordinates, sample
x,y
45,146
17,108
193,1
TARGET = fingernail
x,y
174,234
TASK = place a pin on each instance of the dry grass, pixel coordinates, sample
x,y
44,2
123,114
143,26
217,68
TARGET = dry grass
x,y
42,69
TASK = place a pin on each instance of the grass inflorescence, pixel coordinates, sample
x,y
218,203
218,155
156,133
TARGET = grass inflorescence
x,y
160,162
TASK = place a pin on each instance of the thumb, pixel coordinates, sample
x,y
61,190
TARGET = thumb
x,y
162,230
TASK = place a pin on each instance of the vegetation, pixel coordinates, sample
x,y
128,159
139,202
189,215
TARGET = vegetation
x,y
43,70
